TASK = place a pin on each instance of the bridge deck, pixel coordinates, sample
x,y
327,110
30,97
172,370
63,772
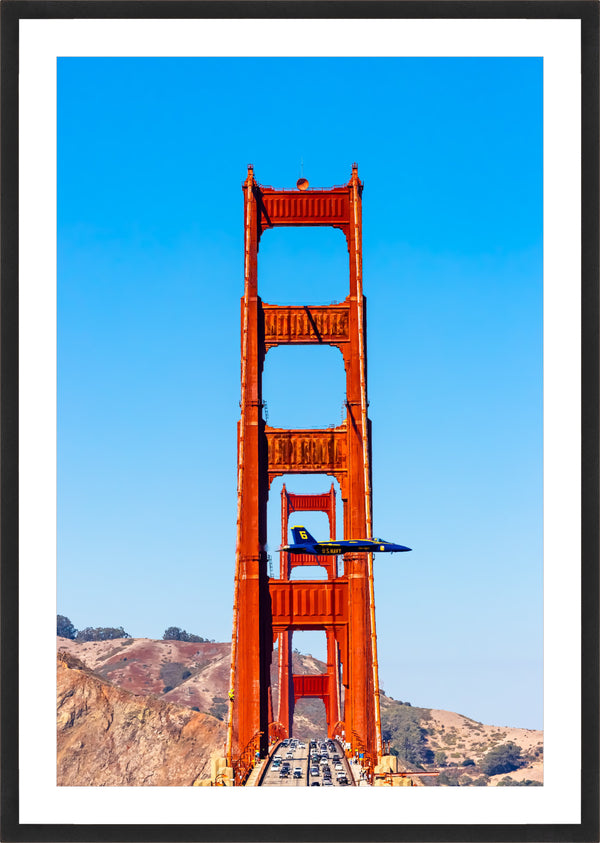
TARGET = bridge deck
x,y
299,756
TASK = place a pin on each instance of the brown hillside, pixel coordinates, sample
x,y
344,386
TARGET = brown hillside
x,y
192,675
182,676
109,737
460,738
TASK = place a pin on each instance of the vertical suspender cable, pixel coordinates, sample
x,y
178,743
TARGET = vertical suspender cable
x,y
365,444
236,584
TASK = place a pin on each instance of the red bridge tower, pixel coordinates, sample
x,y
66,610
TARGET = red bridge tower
x,y
267,610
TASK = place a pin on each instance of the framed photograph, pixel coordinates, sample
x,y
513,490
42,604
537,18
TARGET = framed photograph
x,y
469,134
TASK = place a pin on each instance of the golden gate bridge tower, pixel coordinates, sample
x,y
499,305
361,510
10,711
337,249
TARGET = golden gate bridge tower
x,y
268,610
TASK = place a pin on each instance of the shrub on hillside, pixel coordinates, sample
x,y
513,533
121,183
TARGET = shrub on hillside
x,y
402,726
449,779
174,633
101,633
508,782
502,759
219,708
65,628
173,674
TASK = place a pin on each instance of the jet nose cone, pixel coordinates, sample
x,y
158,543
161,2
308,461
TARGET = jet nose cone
x,y
400,547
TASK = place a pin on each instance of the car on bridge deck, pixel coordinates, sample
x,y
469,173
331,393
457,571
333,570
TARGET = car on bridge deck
x,y
297,772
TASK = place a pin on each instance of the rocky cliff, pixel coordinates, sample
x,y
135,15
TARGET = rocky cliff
x,y
108,736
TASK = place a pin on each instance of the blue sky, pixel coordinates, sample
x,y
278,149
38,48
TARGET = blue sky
x,y
151,157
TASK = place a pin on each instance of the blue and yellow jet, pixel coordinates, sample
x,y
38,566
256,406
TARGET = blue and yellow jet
x,y
305,543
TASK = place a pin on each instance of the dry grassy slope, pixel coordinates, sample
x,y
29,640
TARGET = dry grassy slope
x,y
145,666
109,737
184,673
460,738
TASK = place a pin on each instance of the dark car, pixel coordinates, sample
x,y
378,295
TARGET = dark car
x,y
315,784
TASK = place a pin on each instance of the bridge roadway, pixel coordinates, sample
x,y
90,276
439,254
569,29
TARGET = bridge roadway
x,y
298,754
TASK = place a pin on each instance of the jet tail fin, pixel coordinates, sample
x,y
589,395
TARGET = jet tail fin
x,y
302,536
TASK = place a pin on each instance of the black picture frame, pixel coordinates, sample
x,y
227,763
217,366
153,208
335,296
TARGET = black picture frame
x,y
12,11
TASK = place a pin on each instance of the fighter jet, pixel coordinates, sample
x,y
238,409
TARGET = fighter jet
x,y
305,543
